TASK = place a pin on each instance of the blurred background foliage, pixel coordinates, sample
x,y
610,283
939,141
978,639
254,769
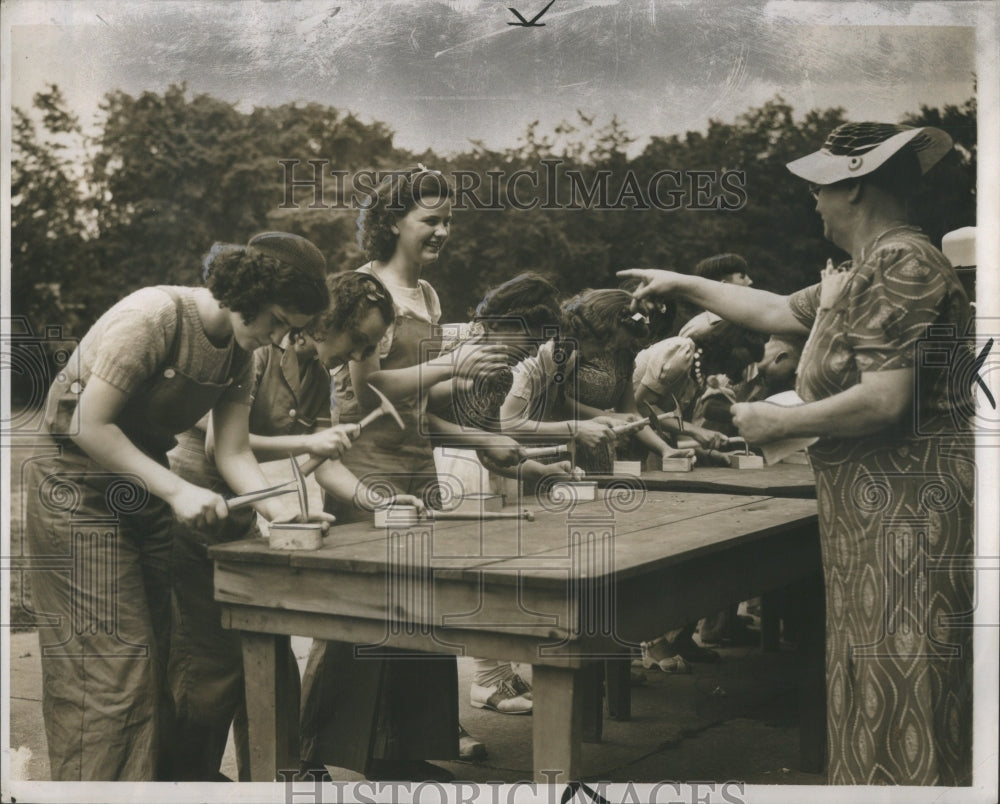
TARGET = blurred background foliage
x,y
96,217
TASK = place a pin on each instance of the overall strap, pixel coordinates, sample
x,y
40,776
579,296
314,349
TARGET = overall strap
x,y
175,345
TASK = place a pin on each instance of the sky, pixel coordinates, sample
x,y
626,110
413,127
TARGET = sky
x,y
441,74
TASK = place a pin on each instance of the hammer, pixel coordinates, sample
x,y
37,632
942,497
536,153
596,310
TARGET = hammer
x,y
385,407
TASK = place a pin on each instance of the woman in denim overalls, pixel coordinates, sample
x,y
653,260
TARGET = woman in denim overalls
x,y
101,496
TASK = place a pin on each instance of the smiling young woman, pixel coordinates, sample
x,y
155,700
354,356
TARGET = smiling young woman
x,y
384,718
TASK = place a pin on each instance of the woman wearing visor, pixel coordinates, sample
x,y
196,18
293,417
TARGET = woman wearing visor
x,y
893,462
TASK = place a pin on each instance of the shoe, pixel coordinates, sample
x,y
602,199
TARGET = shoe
x,y
407,770
692,652
659,653
521,687
469,748
502,698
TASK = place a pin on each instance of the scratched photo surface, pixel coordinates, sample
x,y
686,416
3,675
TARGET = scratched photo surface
x,y
583,137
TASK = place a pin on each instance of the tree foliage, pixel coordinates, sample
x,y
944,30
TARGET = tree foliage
x,y
170,173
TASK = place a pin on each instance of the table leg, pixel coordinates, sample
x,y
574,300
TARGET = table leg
x,y
266,674
770,620
592,679
557,726
618,685
812,691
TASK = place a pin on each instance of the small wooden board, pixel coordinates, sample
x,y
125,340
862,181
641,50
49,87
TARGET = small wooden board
x,y
742,461
295,535
627,468
578,491
677,464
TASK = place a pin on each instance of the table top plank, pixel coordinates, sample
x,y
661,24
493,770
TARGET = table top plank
x,y
666,528
474,543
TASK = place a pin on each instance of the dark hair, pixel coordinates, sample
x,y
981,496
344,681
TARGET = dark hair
x,y
353,295
661,316
529,297
727,348
602,314
395,196
245,280
721,265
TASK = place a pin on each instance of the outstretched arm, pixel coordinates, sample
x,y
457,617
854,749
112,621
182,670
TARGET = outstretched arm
x,y
754,309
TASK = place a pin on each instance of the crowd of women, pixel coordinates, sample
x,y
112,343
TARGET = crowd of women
x,y
178,392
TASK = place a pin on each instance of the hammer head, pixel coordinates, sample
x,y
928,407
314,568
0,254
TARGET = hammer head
x,y
386,406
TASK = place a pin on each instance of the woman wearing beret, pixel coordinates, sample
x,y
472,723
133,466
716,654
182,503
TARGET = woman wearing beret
x,y
893,462
289,415
100,491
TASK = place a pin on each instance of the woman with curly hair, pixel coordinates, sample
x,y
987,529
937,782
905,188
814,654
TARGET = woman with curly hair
x,y
148,369
384,717
289,415
403,230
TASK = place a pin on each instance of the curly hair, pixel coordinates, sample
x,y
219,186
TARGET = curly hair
x,y
721,265
353,296
727,348
602,314
529,298
394,197
245,280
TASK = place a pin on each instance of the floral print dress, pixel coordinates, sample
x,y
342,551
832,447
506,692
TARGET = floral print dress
x,y
896,518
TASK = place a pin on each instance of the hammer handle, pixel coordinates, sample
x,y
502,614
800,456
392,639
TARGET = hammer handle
x,y
546,452
485,515
315,462
379,411
628,427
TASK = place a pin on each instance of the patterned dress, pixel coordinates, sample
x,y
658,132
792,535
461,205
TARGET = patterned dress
x,y
600,382
896,520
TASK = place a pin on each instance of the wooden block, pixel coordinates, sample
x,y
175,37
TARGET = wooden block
x,y
395,516
577,491
740,461
628,468
677,464
295,535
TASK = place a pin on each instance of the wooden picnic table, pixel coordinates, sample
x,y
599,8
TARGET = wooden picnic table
x,y
582,583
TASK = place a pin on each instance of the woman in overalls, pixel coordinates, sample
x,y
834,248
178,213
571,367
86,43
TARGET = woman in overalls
x,y
289,415
383,717
102,500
